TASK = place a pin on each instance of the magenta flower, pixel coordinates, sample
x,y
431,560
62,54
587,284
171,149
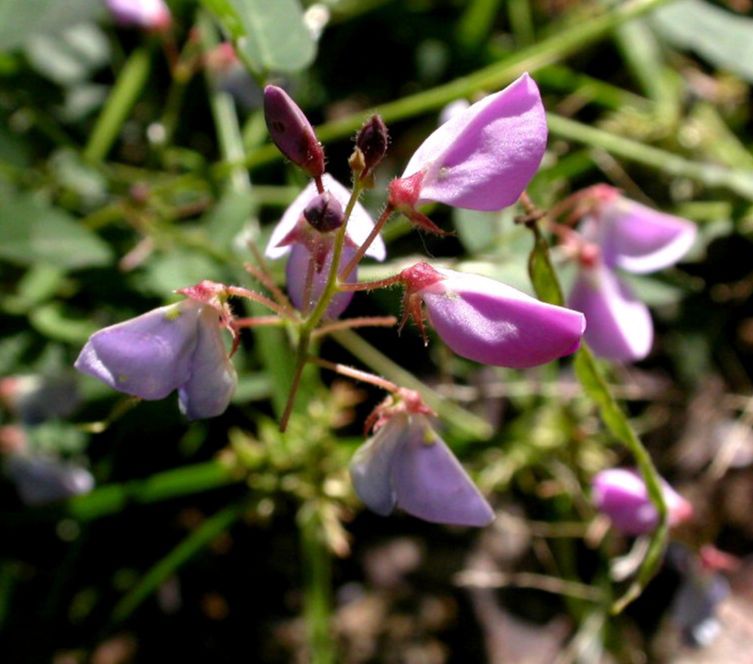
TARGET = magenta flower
x,y
407,465
482,158
178,346
621,494
622,234
489,322
147,14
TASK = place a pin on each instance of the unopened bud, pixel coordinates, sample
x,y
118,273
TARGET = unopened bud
x,y
324,213
291,131
372,140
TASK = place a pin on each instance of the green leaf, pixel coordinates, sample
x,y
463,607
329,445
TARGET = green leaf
x,y
32,230
21,20
723,38
271,35
543,277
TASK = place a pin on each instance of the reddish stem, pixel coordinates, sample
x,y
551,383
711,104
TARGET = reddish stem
x,y
350,323
238,291
371,285
386,214
256,321
357,374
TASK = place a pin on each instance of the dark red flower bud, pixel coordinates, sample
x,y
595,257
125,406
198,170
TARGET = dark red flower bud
x,y
291,131
324,213
372,140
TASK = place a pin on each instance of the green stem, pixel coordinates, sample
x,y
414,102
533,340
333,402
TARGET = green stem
x,y
711,175
545,52
590,375
124,94
181,554
223,111
113,498
316,564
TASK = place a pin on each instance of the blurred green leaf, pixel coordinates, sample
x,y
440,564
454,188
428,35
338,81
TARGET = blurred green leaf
x,y
723,38
31,230
69,56
21,20
271,35
51,320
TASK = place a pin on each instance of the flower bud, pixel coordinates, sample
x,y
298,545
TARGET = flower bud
x,y
291,131
372,140
324,213
621,494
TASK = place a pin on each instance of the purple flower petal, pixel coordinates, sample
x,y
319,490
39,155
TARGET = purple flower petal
x,y
639,239
484,157
618,327
621,494
430,483
149,14
406,465
210,387
40,480
295,274
489,322
371,467
360,223
148,356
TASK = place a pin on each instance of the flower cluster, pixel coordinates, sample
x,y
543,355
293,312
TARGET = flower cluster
x,y
620,234
482,158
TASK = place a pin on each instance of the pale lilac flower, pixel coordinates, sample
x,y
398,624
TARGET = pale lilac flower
x,y
407,465
489,322
482,158
147,14
360,223
299,263
178,346
41,480
623,234
621,494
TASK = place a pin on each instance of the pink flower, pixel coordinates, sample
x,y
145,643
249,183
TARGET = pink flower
x,y
623,234
147,14
407,465
489,322
621,494
482,158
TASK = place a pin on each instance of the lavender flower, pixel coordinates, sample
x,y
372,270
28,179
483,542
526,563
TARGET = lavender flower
x,y
489,322
407,465
621,494
360,223
482,158
147,14
173,347
623,234
41,480
307,246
